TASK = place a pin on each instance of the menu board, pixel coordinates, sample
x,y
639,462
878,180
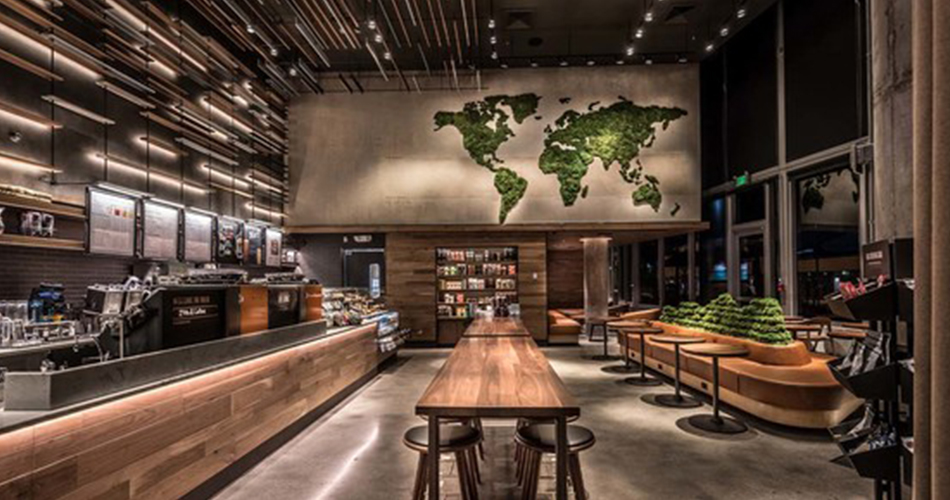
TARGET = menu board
x,y
111,223
230,241
199,237
255,245
275,242
160,231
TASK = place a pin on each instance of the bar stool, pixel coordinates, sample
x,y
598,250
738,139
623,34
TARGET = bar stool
x,y
521,451
676,400
475,423
459,440
538,439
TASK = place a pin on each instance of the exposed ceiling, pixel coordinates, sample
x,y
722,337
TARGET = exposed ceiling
x,y
323,43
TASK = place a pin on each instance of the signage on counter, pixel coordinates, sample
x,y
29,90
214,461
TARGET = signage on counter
x,y
111,223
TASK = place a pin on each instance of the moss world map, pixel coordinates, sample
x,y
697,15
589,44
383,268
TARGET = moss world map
x,y
614,134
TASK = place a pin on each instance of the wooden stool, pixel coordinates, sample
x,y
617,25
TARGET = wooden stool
x,y
538,439
475,423
521,451
458,439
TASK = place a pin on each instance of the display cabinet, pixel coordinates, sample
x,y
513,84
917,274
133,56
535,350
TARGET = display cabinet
x,y
473,279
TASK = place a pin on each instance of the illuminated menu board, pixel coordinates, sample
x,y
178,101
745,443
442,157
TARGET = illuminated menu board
x,y
230,241
255,245
160,231
199,237
275,242
111,223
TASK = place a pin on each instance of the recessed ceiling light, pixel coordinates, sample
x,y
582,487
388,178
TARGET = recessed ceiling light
x,y
250,28
534,64
491,24
639,33
620,62
591,62
504,65
710,47
274,52
563,62
682,60
387,55
292,71
493,40
724,31
378,38
629,50
648,17
494,55
741,13
649,62
371,24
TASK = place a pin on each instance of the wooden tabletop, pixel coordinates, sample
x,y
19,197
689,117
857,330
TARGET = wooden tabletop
x,y
676,339
497,327
629,323
497,377
848,334
804,327
643,330
716,350
602,319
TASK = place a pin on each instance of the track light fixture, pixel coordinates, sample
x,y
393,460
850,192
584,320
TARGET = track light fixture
x,y
563,63
648,16
491,24
710,47
591,62
494,55
371,24
724,31
629,50
639,33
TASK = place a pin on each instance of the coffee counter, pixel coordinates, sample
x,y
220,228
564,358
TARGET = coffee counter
x,y
168,439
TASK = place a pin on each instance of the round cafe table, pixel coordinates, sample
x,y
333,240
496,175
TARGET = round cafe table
x,y
623,326
812,333
715,422
677,400
601,322
642,379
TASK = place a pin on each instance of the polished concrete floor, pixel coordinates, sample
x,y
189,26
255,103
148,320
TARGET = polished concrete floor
x,y
642,451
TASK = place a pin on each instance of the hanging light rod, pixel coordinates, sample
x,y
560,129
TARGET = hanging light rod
x,y
28,117
85,113
112,161
161,146
23,164
225,176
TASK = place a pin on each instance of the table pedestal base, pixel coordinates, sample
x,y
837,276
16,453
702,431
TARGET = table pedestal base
x,y
604,357
719,425
642,381
621,369
676,401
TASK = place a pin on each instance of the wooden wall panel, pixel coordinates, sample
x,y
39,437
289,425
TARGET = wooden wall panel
x,y
411,279
565,278
165,442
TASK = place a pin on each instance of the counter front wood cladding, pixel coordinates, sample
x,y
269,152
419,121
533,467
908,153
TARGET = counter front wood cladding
x,y
165,442
411,280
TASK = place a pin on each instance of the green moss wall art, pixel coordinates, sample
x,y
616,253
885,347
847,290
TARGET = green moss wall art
x,y
614,134
762,320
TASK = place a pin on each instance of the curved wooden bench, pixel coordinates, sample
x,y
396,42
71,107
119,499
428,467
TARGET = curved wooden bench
x,y
783,384
562,329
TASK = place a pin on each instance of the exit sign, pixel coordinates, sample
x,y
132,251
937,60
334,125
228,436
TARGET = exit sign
x,y
744,179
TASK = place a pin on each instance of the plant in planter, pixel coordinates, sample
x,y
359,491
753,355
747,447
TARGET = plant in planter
x,y
722,315
691,314
762,320
766,322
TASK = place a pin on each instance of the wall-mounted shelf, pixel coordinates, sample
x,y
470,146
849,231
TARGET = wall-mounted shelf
x,y
62,210
18,240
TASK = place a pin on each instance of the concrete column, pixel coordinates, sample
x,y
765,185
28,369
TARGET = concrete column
x,y
892,79
596,276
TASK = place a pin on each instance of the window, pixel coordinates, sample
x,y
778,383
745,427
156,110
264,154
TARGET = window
x,y
828,237
649,280
713,274
676,270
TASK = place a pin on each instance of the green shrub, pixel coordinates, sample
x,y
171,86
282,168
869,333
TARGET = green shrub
x,y
762,320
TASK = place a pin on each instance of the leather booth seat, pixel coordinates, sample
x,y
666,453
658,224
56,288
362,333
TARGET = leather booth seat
x,y
562,329
782,384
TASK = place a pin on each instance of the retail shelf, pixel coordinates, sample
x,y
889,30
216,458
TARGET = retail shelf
x,y
879,383
881,303
17,240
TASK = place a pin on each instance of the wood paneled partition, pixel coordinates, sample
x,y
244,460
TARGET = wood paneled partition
x,y
411,276
165,442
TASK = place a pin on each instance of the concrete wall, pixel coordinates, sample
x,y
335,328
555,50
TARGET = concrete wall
x,y
892,77
375,158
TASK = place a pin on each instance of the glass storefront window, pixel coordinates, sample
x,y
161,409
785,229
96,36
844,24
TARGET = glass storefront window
x,y
752,265
649,281
750,204
675,270
828,236
713,274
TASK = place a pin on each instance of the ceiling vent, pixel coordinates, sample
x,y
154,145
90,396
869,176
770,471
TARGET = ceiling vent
x,y
519,20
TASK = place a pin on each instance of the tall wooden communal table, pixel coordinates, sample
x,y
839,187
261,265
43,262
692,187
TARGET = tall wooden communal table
x,y
497,371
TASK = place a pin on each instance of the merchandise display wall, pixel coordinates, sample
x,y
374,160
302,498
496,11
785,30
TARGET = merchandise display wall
x,y
380,159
